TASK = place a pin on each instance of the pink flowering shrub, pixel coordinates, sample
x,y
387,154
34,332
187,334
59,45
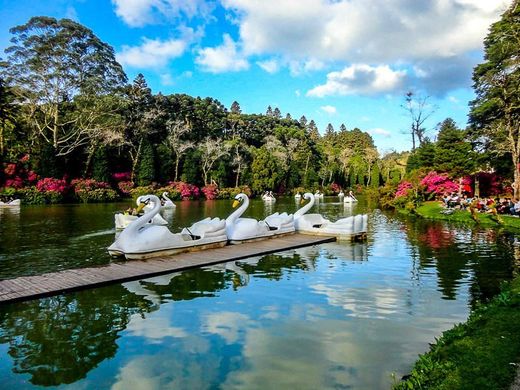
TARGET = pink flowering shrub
x,y
187,191
18,174
125,187
53,189
121,176
210,191
51,184
437,184
335,188
403,189
90,190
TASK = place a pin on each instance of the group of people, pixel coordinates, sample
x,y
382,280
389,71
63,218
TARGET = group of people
x,y
501,205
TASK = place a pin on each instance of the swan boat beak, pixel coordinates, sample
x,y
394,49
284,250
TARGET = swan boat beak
x,y
236,203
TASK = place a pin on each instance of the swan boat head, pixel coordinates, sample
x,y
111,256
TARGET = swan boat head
x,y
242,229
142,240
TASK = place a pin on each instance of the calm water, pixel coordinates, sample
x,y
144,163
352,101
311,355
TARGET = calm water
x,y
338,315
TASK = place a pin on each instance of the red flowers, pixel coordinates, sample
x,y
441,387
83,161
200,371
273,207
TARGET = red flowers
x,y
50,184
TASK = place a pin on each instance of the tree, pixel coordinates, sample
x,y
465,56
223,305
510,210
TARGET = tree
x,y
453,154
176,129
211,150
8,113
235,108
146,170
495,113
269,111
52,62
277,114
329,130
419,110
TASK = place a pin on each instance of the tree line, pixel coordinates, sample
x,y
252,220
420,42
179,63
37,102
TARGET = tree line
x,y
66,102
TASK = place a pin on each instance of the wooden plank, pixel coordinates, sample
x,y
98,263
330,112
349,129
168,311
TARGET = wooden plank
x,y
32,287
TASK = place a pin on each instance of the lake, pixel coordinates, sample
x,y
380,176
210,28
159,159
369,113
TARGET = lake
x,y
338,315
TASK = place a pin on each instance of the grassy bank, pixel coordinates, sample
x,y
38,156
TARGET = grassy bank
x,y
432,210
479,354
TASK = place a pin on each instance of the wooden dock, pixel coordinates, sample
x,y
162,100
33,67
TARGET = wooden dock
x,y
33,287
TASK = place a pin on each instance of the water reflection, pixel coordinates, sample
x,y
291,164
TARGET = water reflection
x,y
481,257
58,340
328,316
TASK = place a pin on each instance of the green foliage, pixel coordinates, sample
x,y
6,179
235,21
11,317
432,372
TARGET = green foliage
x,y
453,154
474,355
374,176
100,165
146,169
48,164
266,171
164,163
422,157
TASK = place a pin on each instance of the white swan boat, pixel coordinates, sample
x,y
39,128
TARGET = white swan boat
x,y
341,195
245,229
280,224
315,224
122,220
268,197
141,240
12,203
318,195
168,204
298,196
350,198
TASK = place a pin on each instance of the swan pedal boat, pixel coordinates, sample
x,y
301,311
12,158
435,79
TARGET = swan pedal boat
x,y
343,229
241,230
268,198
13,203
122,220
349,199
141,240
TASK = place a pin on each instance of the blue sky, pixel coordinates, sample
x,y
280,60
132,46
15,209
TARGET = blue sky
x,y
334,61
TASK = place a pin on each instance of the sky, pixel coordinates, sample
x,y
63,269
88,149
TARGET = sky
x,y
335,61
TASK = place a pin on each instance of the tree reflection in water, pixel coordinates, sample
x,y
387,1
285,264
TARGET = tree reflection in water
x,y
58,340
458,253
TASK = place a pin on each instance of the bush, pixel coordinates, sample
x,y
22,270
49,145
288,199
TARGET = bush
x,y
435,184
142,190
210,191
125,187
90,190
31,195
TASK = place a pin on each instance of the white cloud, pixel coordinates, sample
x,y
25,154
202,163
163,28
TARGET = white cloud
x,y
297,93
380,131
426,36
137,13
364,30
329,109
224,58
453,99
270,66
151,53
311,65
360,79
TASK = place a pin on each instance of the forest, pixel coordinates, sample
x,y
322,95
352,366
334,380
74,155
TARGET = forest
x,y
74,128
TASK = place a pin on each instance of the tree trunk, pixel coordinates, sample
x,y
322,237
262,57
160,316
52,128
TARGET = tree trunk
x,y
516,183
89,160
237,180
177,160
136,160
305,171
